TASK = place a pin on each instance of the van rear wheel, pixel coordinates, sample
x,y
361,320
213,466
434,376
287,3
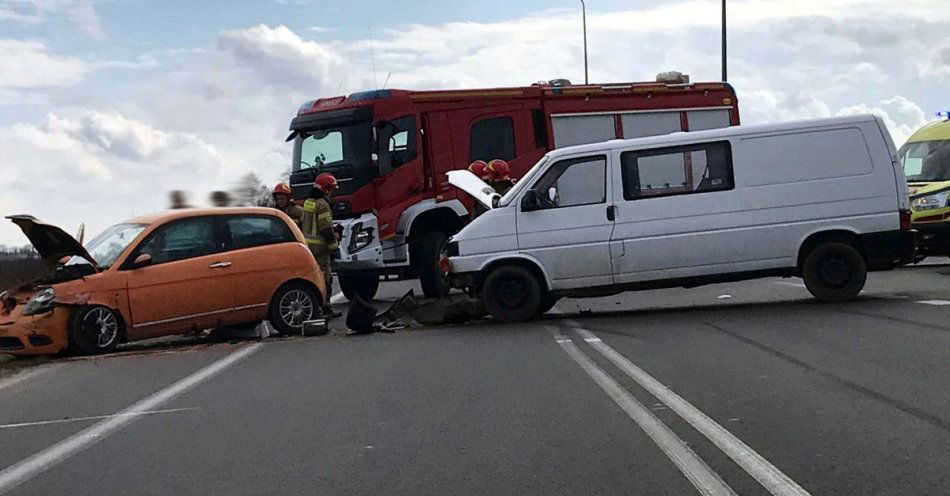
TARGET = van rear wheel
x,y
512,294
834,272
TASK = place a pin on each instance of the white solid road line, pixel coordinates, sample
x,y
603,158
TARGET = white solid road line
x,y
758,467
24,470
792,283
97,417
31,374
336,298
693,467
935,302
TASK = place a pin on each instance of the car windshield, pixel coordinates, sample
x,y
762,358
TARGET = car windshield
x,y
926,161
520,185
109,244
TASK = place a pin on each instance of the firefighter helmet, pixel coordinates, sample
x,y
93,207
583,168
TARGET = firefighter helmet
x,y
498,170
326,182
478,168
281,189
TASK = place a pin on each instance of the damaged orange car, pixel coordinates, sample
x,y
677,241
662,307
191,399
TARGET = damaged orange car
x,y
169,273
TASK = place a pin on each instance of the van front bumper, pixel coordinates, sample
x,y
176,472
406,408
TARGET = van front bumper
x,y
889,249
934,238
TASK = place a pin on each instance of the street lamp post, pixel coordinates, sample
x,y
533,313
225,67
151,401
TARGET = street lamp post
x,y
724,72
584,17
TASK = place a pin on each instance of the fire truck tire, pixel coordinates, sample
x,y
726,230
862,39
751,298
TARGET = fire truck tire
x,y
512,293
431,278
363,284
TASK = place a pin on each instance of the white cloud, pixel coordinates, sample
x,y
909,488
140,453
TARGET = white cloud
x,y
28,64
901,115
80,12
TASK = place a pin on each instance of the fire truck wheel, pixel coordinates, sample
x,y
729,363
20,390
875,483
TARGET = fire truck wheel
x,y
364,284
512,293
430,275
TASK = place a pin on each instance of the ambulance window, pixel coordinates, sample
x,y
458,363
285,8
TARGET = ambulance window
x,y
493,138
678,170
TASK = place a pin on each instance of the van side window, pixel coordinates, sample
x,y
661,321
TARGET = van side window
x,y
677,170
574,182
493,138
257,230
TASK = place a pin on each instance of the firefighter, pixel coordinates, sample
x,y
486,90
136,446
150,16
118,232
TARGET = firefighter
x,y
317,226
283,203
500,176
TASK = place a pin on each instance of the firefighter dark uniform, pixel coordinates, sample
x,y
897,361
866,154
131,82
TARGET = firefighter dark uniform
x,y
282,194
317,226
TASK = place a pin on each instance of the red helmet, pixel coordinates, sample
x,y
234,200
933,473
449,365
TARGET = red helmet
x,y
499,170
478,168
326,182
281,189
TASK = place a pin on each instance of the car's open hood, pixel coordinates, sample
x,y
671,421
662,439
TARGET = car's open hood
x,y
51,242
471,184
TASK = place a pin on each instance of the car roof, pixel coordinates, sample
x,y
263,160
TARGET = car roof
x,y
678,137
183,213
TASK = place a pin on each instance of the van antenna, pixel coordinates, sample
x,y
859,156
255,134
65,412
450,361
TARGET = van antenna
x,y
387,79
372,54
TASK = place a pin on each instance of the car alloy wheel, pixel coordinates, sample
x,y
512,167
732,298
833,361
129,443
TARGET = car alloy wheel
x,y
295,307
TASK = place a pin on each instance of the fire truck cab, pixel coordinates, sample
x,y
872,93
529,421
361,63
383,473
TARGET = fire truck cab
x,y
390,150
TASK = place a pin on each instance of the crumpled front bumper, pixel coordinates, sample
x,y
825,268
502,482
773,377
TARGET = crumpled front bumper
x,y
42,334
353,257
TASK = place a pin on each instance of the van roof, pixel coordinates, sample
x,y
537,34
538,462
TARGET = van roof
x,y
678,137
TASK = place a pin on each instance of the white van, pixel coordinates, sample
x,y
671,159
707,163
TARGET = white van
x,y
824,200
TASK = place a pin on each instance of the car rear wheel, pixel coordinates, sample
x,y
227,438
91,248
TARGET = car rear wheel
x,y
834,272
94,329
512,293
362,284
292,305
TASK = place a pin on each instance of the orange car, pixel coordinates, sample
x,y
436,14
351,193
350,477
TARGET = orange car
x,y
169,273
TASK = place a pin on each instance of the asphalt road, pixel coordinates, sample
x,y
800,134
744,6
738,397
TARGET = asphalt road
x,y
747,388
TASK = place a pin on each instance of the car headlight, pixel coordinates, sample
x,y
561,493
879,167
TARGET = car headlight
x,y
40,302
360,237
930,202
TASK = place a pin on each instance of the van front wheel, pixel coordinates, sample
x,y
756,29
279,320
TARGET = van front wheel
x,y
512,293
834,272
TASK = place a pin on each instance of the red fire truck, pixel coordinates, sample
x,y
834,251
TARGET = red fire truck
x,y
390,151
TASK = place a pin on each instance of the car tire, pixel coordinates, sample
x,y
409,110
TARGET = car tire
x,y
431,277
512,293
94,329
547,303
834,272
292,305
362,284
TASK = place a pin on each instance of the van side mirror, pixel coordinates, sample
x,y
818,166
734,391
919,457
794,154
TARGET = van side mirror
x,y
143,260
530,201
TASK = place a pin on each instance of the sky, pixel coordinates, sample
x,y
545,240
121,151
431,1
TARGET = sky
x,y
106,105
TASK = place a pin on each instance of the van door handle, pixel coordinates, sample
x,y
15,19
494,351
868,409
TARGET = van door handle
x,y
219,265
611,213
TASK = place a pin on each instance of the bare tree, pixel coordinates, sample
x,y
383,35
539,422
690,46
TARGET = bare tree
x,y
251,191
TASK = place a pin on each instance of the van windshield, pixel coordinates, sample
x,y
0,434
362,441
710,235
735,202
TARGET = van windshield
x,y
520,185
926,161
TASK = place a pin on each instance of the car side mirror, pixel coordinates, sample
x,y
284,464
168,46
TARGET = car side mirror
x,y
530,201
143,260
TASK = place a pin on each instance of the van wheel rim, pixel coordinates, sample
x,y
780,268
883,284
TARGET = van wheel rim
x,y
511,291
295,307
834,272
102,324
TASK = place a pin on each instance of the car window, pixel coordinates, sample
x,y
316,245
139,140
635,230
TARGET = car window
x,y
257,230
574,182
493,138
677,170
187,238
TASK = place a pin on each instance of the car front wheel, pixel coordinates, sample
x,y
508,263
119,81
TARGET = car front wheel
x,y
94,329
512,294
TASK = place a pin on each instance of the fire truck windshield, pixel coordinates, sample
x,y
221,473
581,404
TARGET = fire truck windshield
x,y
343,150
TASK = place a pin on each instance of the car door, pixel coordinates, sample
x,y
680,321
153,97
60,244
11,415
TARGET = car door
x,y
186,284
569,228
264,254
676,215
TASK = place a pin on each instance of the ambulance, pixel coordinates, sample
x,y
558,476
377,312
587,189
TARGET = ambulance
x,y
925,159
